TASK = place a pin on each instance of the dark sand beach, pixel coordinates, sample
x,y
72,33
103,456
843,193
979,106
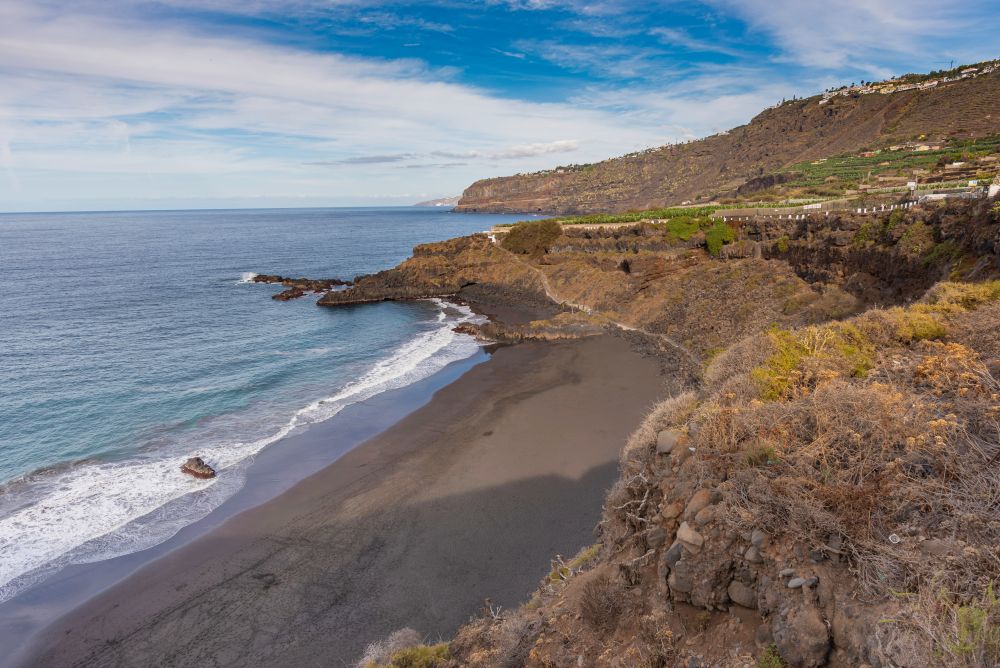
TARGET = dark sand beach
x,y
466,498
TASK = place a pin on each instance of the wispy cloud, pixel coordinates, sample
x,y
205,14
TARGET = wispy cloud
x,y
365,160
678,37
607,60
863,34
513,152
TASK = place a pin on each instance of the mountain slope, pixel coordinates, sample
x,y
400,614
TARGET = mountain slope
x,y
778,137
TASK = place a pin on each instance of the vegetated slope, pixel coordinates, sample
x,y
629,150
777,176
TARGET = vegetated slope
x,y
778,137
822,490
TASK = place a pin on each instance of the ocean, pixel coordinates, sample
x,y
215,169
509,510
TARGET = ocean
x,y
130,341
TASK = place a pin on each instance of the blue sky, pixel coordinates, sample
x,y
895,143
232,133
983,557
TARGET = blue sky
x,y
185,103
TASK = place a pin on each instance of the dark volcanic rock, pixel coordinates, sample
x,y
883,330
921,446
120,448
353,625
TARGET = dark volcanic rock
x,y
298,287
197,467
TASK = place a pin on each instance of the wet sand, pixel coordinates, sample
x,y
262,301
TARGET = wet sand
x,y
466,498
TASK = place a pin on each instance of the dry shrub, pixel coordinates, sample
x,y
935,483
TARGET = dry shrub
x,y
959,631
513,638
948,296
861,461
668,413
736,361
634,496
602,602
380,652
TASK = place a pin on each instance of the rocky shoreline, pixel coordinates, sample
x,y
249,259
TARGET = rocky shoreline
x,y
299,287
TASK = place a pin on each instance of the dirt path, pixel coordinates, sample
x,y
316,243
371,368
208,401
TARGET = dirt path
x,y
551,294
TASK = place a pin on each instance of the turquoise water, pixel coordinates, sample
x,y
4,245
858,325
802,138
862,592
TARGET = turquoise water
x,y
130,341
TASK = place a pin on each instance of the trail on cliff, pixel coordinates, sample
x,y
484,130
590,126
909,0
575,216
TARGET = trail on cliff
x,y
551,294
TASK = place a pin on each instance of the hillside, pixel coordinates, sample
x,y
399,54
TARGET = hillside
x,y
798,131
820,490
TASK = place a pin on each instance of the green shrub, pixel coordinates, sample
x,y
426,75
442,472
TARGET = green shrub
x,y
943,253
975,632
717,236
771,659
421,656
682,228
782,244
867,233
895,218
761,455
917,239
773,377
838,347
532,238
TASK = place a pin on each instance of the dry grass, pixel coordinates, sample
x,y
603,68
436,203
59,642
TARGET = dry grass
x,y
380,652
863,429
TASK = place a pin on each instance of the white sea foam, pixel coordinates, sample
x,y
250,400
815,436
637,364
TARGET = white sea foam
x,y
247,277
98,510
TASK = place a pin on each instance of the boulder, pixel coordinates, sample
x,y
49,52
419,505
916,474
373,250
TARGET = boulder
x,y
197,467
801,636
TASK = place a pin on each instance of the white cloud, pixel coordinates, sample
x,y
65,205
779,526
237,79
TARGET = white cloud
x,y
82,97
836,34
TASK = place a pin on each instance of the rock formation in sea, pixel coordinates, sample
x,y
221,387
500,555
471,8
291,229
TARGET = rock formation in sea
x,y
196,466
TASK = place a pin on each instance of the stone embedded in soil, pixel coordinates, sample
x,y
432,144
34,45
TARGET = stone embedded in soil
x,y
197,467
674,554
704,516
786,572
740,594
666,441
672,510
701,499
758,538
753,555
795,583
656,537
691,538
802,636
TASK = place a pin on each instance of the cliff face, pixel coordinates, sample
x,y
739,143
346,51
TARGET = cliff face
x,y
778,137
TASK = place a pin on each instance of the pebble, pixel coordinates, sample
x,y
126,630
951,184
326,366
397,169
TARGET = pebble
x,y
786,572
795,583
757,538
753,555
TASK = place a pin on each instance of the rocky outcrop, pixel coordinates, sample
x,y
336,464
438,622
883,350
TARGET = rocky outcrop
x,y
298,287
443,269
196,466
795,131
